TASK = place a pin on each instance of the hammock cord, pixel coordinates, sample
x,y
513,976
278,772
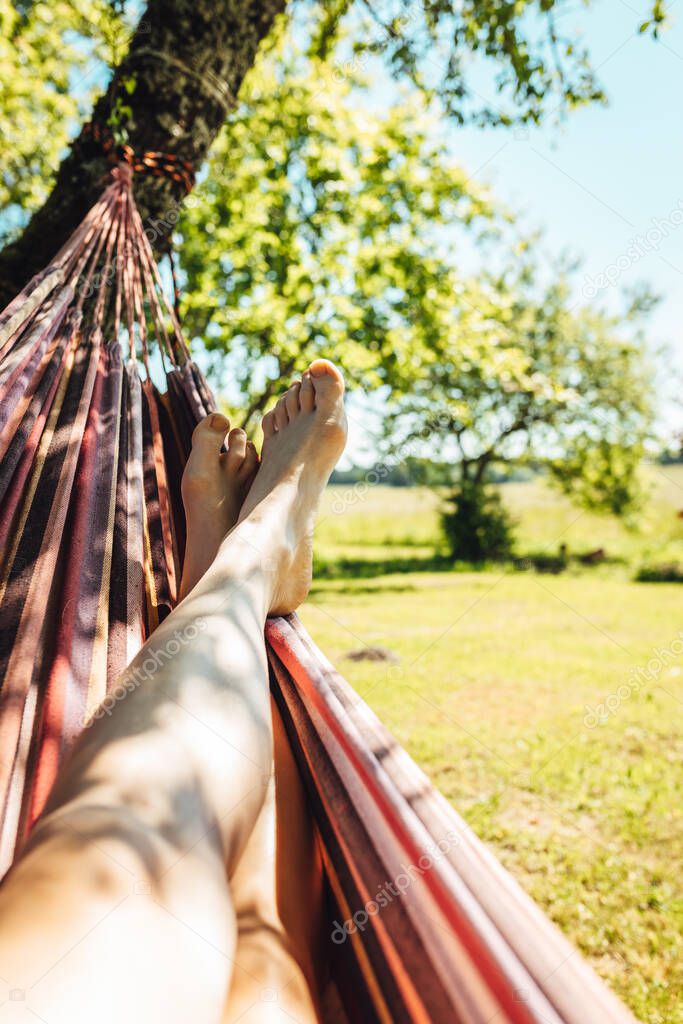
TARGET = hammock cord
x,y
425,925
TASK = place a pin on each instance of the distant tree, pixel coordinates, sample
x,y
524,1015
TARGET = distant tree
x,y
527,377
673,453
476,524
408,472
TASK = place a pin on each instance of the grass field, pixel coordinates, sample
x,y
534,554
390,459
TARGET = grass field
x,y
496,671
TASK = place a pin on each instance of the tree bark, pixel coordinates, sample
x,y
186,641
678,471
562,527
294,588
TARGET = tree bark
x,y
187,59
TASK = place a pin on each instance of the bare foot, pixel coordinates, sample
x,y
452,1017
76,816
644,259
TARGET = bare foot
x,y
214,487
304,435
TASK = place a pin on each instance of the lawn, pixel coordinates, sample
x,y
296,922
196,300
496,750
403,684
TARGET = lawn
x,y
498,674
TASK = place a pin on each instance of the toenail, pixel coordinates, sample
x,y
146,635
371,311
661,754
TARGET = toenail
x,y
218,422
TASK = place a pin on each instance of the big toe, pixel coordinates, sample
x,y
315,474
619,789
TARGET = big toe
x,y
207,441
328,385
320,369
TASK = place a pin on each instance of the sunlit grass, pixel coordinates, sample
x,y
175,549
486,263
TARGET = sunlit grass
x,y
496,671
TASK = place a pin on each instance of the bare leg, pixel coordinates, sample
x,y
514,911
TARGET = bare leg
x,y
277,890
118,908
277,887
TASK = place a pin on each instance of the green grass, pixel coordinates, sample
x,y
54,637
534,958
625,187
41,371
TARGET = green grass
x,y
496,670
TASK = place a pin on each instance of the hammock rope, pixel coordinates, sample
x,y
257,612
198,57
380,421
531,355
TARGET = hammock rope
x,y
425,925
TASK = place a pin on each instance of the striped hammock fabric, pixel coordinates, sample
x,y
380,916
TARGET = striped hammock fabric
x,y
424,924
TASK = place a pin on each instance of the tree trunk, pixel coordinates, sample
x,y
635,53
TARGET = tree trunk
x,y
481,467
187,60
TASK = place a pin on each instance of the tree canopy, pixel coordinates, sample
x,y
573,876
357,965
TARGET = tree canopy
x,y
487,61
318,230
325,226
49,56
326,222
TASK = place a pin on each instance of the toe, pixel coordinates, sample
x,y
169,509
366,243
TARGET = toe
x,y
268,424
280,414
291,400
207,441
307,394
328,384
237,448
250,464
210,433
204,459
322,368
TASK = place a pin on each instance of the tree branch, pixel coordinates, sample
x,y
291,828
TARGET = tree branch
x,y
524,421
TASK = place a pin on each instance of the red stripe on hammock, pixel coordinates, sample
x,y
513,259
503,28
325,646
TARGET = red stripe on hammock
x,y
65,692
165,513
283,639
31,593
404,977
17,476
16,382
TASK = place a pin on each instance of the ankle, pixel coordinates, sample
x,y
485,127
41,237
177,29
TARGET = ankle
x,y
251,558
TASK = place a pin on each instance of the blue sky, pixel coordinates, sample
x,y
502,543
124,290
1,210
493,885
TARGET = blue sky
x,y
599,182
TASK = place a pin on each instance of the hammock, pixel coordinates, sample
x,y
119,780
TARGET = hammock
x,y
424,924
